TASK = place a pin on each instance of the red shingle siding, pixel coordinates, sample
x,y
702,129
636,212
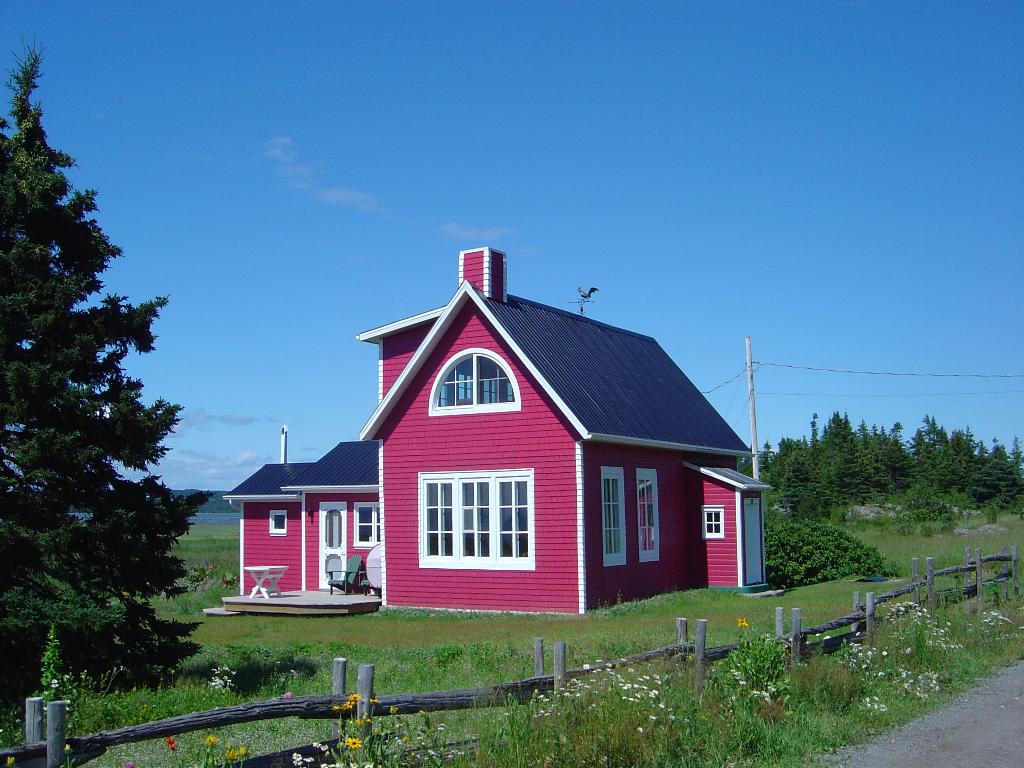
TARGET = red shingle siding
x,y
721,553
399,349
682,561
263,549
497,275
473,268
312,517
535,437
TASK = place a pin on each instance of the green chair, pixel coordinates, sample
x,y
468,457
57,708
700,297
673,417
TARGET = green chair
x,y
349,579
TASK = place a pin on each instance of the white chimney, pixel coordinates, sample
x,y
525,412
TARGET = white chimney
x,y
284,444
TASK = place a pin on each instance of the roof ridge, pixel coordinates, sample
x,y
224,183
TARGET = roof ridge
x,y
576,316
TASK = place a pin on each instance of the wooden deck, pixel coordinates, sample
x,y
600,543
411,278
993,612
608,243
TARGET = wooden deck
x,y
303,603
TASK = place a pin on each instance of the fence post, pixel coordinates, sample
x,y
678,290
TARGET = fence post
x,y
869,615
33,720
699,643
780,621
915,577
538,657
56,737
980,581
559,665
364,687
1015,569
339,671
795,638
682,632
929,565
1004,573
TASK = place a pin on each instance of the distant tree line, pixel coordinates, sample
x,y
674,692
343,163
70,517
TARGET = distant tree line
x,y
931,473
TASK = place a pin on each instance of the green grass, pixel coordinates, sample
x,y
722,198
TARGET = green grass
x,y
424,650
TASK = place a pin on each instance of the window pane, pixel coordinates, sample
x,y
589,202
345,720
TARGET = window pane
x,y
506,545
446,494
432,519
446,518
520,518
431,494
521,492
431,543
467,494
524,549
468,543
484,519
467,520
505,494
506,518
446,543
483,492
485,545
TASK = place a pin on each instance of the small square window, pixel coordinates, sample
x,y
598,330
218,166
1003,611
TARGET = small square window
x,y
278,522
714,522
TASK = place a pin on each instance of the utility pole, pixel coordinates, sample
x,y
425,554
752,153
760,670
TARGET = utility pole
x,y
753,413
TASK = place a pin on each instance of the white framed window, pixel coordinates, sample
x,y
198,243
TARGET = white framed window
x,y
278,522
714,521
477,519
474,381
368,524
613,516
647,514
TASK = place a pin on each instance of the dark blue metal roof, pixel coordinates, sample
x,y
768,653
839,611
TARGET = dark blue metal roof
x,y
351,463
615,381
268,480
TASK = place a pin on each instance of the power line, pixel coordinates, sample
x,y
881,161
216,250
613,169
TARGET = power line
x,y
895,373
893,394
730,379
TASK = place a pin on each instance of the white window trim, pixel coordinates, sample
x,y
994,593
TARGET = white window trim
x,y
458,410
457,561
649,555
278,531
720,508
613,558
375,524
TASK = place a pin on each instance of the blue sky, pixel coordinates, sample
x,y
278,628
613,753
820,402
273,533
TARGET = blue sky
x,y
843,181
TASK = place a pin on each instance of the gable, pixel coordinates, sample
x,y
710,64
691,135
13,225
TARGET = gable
x,y
469,333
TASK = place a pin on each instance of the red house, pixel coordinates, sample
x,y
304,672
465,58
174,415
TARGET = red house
x,y
520,458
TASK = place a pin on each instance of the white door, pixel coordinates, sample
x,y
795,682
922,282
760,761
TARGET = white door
x,y
753,556
333,536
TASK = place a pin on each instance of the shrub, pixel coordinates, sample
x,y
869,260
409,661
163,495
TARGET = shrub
x,y
800,553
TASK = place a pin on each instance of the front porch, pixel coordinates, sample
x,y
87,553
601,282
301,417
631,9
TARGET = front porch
x,y
303,603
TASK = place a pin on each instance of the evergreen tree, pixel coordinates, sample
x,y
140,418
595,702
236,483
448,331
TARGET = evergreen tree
x,y
83,546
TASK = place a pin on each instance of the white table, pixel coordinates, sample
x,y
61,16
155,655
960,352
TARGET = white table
x,y
266,577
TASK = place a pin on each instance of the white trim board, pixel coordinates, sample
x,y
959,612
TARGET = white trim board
x,y
278,497
754,485
581,551
455,410
332,488
399,325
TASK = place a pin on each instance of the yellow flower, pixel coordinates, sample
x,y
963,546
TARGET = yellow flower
x,y
67,747
354,697
353,743
742,623
211,740
231,755
393,709
10,762
243,751
375,701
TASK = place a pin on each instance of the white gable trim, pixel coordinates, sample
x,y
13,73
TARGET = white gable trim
x,y
756,485
620,440
374,334
465,294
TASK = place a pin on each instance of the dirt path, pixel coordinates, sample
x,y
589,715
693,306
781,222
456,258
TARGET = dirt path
x,y
984,726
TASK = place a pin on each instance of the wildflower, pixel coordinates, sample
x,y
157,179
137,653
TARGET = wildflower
x,y
211,740
67,747
287,695
171,743
353,743
231,755
10,762
243,751
354,697
393,709
296,759
375,701
742,623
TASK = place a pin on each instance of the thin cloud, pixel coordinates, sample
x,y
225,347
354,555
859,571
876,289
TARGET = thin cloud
x,y
197,418
183,468
476,234
281,150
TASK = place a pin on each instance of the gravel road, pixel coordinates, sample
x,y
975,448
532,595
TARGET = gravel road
x,y
983,727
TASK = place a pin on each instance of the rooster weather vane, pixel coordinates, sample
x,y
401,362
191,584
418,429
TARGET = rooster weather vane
x,y
585,297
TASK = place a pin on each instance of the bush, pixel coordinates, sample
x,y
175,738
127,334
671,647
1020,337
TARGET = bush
x,y
801,553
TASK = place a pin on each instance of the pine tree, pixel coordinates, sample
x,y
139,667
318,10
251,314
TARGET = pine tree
x,y
84,547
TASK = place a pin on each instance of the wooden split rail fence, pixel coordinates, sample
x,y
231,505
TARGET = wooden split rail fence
x,y
53,749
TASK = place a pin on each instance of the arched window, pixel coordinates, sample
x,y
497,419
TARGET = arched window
x,y
474,381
